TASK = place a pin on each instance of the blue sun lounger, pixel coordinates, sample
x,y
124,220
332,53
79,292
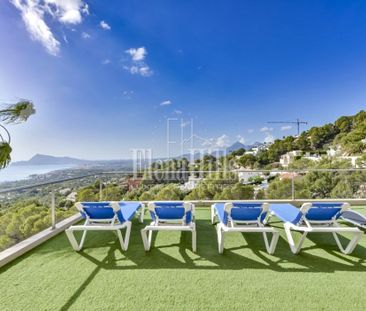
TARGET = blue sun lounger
x,y
170,216
243,217
315,217
354,218
105,216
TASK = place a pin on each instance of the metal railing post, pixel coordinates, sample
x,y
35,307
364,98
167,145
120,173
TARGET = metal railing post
x,y
100,189
293,185
53,209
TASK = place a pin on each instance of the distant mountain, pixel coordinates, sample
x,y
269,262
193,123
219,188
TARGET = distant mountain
x,y
43,159
235,146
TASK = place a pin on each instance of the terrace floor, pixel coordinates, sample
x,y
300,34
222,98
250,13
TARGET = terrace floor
x,y
101,277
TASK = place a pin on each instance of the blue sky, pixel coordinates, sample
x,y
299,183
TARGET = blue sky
x,y
105,75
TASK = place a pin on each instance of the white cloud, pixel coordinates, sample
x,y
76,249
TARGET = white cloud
x,y
66,11
222,141
145,71
250,131
105,26
65,38
266,129
106,61
137,64
219,142
166,103
241,139
85,9
286,128
33,14
178,111
138,54
269,138
85,35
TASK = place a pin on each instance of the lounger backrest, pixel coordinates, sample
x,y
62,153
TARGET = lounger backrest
x,y
100,210
323,211
246,212
172,211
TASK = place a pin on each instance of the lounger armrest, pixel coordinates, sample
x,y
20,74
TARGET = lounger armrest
x,y
115,205
305,208
265,207
79,207
345,207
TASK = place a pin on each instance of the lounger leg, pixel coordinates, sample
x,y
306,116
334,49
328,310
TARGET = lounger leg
x,y
272,246
220,239
212,215
295,249
146,239
142,214
70,235
120,238
194,239
124,242
127,235
83,239
351,245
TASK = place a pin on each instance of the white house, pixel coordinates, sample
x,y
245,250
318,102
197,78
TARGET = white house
x,y
288,157
191,183
334,151
244,175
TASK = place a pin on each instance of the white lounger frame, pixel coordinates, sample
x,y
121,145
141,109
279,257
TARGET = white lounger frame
x,y
102,225
169,225
330,226
255,226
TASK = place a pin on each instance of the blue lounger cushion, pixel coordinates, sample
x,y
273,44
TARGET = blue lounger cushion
x,y
324,211
240,212
318,212
286,212
355,217
171,211
102,210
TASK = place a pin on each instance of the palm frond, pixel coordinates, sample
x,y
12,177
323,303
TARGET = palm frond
x,y
5,151
17,113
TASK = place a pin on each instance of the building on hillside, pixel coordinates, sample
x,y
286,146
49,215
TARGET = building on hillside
x,y
191,183
312,156
252,151
288,157
65,191
132,183
244,175
337,152
334,151
352,159
72,196
288,175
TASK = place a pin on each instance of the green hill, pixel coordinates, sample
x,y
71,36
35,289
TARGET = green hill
x,y
347,132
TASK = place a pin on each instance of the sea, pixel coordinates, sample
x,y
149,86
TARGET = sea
x,y
15,172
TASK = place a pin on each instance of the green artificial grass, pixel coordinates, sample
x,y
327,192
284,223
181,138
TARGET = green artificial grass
x,y
172,277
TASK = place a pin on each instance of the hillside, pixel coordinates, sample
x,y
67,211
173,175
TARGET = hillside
x,y
347,134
